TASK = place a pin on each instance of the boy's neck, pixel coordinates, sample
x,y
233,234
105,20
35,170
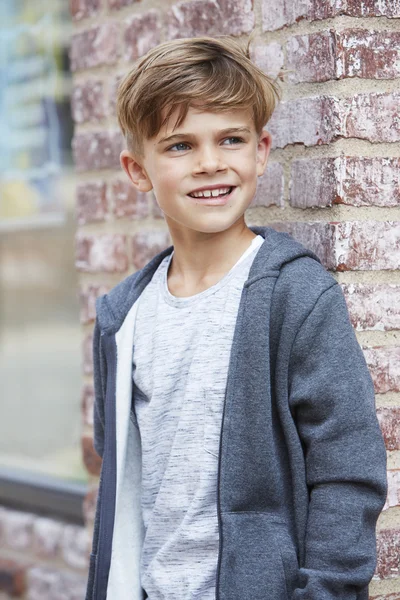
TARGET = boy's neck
x,y
197,264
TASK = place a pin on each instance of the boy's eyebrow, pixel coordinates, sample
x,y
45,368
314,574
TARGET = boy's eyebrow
x,y
191,135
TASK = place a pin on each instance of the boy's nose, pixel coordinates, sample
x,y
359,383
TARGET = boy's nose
x,y
209,161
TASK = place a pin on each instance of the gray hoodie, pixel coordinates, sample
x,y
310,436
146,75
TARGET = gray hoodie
x,y
302,463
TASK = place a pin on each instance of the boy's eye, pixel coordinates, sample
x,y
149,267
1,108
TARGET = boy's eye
x,y
179,145
237,140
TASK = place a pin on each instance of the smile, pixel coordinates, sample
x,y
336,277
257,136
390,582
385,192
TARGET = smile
x,y
212,199
215,193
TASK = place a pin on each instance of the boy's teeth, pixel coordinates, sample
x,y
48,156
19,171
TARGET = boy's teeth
x,y
209,193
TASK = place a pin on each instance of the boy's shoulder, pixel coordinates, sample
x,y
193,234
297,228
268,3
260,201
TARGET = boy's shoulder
x,y
305,275
299,286
302,276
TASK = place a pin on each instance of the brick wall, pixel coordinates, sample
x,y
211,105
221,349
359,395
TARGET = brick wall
x,y
332,180
41,558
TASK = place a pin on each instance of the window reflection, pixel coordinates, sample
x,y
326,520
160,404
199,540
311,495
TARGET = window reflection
x,y
40,353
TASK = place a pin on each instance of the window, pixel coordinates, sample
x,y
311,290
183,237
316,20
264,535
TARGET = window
x,y
40,338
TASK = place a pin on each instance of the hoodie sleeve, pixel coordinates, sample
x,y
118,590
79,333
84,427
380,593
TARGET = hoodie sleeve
x,y
332,399
99,379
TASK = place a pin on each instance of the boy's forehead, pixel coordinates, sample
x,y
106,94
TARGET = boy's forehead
x,y
196,116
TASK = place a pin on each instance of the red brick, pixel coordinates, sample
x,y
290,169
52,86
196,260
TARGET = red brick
x,y
368,54
98,45
282,13
157,213
206,17
87,298
323,119
384,365
368,181
117,4
18,528
370,8
87,404
311,57
352,180
147,203
329,55
321,9
142,33
393,496
75,546
90,457
318,237
388,553
127,202
106,252
270,186
88,101
97,150
389,421
81,9
146,244
47,535
238,16
46,583
89,504
91,202
268,57
349,245
308,121
373,307
193,19
313,182
367,245
373,117
12,577
87,354
113,93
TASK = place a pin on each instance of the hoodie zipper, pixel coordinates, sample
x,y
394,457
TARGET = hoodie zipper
x,y
239,327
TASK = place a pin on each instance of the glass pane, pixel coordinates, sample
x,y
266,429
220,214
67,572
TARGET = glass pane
x,y
40,352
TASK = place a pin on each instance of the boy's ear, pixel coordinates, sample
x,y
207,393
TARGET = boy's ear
x,y
135,171
263,150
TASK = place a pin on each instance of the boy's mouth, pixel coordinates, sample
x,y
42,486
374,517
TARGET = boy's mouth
x,y
213,193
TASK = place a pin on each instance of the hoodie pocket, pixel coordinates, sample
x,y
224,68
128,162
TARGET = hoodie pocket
x,y
290,563
253,559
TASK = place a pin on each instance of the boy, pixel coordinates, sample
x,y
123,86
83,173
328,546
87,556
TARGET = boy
x,y
234,410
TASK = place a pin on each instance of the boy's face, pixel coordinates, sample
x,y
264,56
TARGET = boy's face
x,y
208,149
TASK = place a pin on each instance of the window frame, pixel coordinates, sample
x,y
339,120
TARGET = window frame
x,y
42,495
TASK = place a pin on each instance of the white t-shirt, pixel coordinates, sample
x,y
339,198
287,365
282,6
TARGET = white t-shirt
x,y
180,364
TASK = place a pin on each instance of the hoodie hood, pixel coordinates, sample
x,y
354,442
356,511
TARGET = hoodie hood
x,y
278,249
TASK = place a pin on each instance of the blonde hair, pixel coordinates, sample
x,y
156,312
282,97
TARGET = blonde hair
x,y
208,73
